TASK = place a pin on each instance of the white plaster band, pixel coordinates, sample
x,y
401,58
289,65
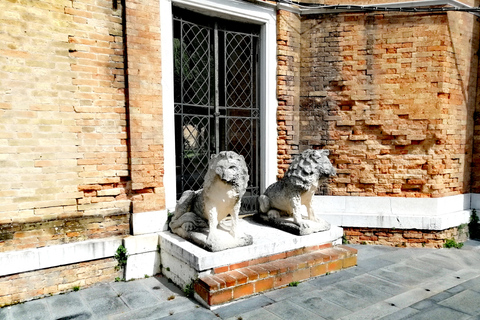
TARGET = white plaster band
x,y
400,213
13,262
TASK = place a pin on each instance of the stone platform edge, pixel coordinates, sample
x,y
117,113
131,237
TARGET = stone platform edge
x,y
241,280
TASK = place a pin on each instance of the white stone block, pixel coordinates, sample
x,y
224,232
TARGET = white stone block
x,y
266,241
141,243
149,222
142,264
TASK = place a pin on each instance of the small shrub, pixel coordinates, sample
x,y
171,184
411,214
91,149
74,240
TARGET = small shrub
x,y
451,243
344,240
293,284
473,226
188,290
121,256
76,288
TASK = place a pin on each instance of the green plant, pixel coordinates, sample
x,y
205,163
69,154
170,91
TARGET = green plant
x,y
76,288
147,276
451,243
188,290
344,239
121,256
293,284
167,268
118,279
473,225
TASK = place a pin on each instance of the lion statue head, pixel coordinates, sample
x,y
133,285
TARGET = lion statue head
x,y
230,167
309,167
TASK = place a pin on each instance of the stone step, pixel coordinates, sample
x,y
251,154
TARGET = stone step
x,y
251,277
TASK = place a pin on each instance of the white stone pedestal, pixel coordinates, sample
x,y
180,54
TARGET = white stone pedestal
x,y
184,262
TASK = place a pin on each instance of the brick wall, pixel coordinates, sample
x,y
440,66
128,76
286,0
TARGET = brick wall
x,y
288,87
25,286
392,96
63,120
145,108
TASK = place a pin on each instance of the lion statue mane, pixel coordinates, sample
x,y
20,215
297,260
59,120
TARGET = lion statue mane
x,y
293,194
224,185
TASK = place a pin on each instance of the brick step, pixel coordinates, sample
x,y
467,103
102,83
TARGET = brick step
x,y
254,276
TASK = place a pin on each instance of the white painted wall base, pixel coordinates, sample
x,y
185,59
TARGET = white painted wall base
x,y
143,256
400,213
53,256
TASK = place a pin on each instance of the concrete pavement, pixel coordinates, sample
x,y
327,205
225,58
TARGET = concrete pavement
x,y
388,283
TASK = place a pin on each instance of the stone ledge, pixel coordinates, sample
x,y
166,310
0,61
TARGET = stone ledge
x,y
13,262
266,241
392,212
253,276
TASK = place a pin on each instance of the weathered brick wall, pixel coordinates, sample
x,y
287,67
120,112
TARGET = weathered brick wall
x,y
392,96
405,237
145,108
35,284
288,87
63,123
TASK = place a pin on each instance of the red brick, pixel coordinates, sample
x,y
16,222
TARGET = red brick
x,y
302,274
318,270
283,279
334,266
264,284
221,297
243,290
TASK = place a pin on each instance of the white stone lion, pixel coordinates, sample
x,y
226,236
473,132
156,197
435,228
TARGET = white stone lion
x,y
292,195
224,185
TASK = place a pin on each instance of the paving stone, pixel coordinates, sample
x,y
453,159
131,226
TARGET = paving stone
x,y
288,292
361,290
345,299
456,289
5,313
424,304
467,301
315,301
156,311
441,296
134,294
199,313
473,284
402,275
103,301
255,315
328,279
439,312
237,308
288,310
370,265
33,310
404,313
69,306
410,297
374,311
390,289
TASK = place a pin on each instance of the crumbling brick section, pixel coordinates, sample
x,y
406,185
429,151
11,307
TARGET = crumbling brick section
x,y
255,276
288,87
404,237
144,99
392,102
26,286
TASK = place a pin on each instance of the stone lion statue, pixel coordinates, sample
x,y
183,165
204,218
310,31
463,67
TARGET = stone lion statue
x,y
200,212
292,195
